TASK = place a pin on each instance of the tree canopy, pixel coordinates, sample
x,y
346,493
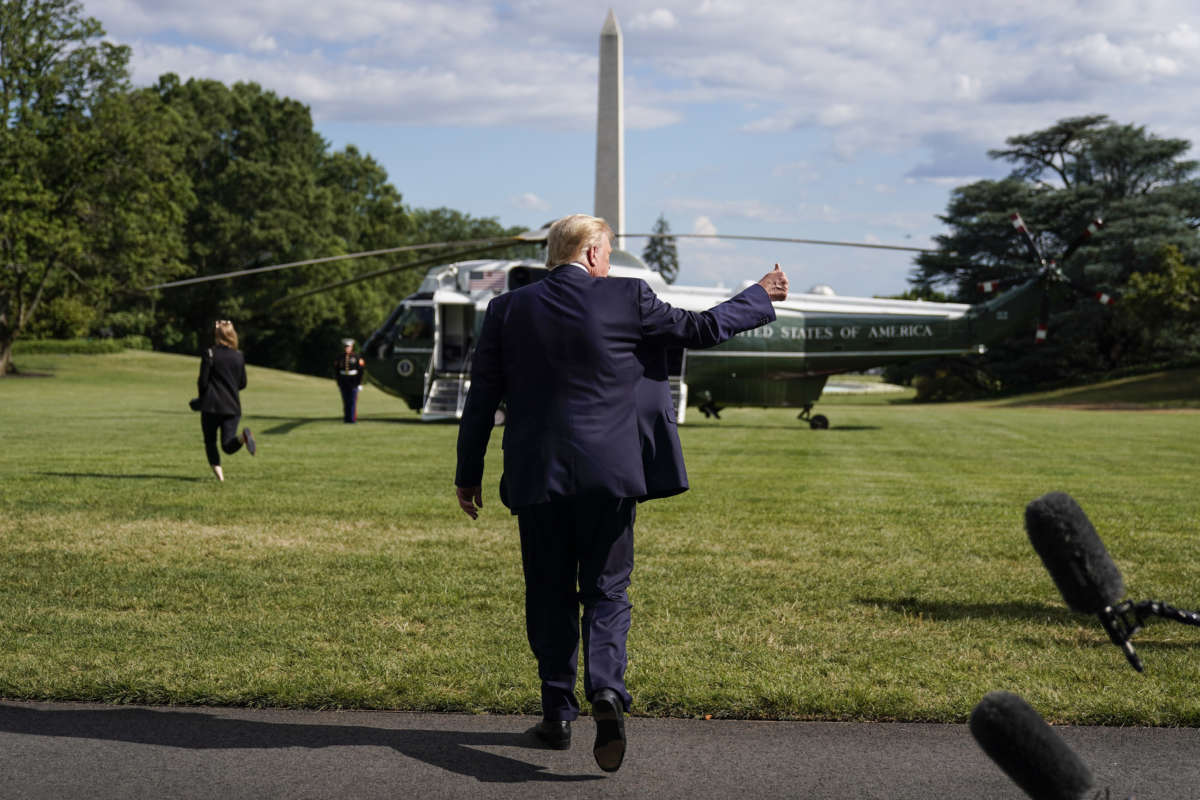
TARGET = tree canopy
x,y
660,253
90,198
1063,177
105,189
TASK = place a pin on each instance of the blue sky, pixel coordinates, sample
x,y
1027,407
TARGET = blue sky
x,y
850,120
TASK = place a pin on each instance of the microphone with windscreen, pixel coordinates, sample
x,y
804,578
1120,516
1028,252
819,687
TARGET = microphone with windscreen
x,y
1085,574
1020,742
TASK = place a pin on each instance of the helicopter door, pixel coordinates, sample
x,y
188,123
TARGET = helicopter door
x,y
456,328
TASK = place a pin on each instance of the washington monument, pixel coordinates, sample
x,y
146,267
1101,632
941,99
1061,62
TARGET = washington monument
x,y
610,129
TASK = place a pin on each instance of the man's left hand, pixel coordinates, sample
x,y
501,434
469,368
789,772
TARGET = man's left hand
x,y
470,499
776,284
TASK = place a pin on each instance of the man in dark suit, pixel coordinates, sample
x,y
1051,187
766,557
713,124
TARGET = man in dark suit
x,y
580,362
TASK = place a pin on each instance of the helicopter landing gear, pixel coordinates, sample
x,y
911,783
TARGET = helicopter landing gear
x,y
710,409
818,422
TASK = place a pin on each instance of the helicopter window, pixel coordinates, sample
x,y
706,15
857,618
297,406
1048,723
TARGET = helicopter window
x,y
414,327
523,276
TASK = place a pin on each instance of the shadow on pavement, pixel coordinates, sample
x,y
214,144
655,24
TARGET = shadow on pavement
x,y
454,751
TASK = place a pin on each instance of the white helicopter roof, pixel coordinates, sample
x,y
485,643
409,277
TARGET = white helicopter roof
x,y
479,280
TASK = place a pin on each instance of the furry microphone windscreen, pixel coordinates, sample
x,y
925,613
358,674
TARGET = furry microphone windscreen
x,y
1020,742
1073,554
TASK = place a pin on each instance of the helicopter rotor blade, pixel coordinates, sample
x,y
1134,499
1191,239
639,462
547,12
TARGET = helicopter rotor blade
x,y
996,284
777,239
1019,224
498,242
1083,290
1043,325
440,259
537,236
1088,232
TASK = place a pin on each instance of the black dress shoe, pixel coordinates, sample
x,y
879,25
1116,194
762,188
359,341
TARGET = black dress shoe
x,y
609,713
554,733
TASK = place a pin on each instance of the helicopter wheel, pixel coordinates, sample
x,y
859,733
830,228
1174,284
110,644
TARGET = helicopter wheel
x,y
500,417
819,422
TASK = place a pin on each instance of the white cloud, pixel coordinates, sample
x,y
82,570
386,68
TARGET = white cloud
x,y
967,87
1097,57
403,24
839,114
1183,37
830,92
529,201
883,73
263,44
778,123
704,226
459,93
660,19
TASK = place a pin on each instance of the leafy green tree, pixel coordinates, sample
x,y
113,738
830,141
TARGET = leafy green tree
x,y
269,191
90,197
252,159
1161,308
660,253
1063,177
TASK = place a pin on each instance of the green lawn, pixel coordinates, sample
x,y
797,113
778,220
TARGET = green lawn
x,y
876,570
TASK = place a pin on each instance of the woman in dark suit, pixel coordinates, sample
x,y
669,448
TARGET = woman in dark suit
x,y
222,376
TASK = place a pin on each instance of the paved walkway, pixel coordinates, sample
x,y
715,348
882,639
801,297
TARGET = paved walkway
x,y
127,752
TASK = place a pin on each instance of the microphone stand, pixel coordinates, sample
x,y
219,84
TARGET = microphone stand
x,y
1125,619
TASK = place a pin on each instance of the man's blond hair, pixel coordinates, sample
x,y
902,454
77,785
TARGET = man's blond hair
x,y
572,235
224,334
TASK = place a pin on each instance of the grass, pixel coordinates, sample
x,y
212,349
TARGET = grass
x,y
876,570
1176,389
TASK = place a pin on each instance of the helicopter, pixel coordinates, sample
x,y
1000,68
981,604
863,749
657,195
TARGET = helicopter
x,y
422,351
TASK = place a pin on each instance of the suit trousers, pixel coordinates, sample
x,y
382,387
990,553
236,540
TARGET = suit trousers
x,y
349,390
577,552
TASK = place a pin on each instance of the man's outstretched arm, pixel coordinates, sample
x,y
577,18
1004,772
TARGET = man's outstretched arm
x,y
750,308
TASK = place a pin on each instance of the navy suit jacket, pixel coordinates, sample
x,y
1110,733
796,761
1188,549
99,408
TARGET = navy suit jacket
x,y
581,363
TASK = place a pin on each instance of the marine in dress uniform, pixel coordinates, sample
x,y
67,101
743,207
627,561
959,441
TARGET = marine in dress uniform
x,y
349,369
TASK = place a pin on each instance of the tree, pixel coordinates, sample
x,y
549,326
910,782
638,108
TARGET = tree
x,y
269,191
253,161
1063,177
90,199
660,253
1162,308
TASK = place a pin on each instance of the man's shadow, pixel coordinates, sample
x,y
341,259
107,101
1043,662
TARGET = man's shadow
x,y
454,751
